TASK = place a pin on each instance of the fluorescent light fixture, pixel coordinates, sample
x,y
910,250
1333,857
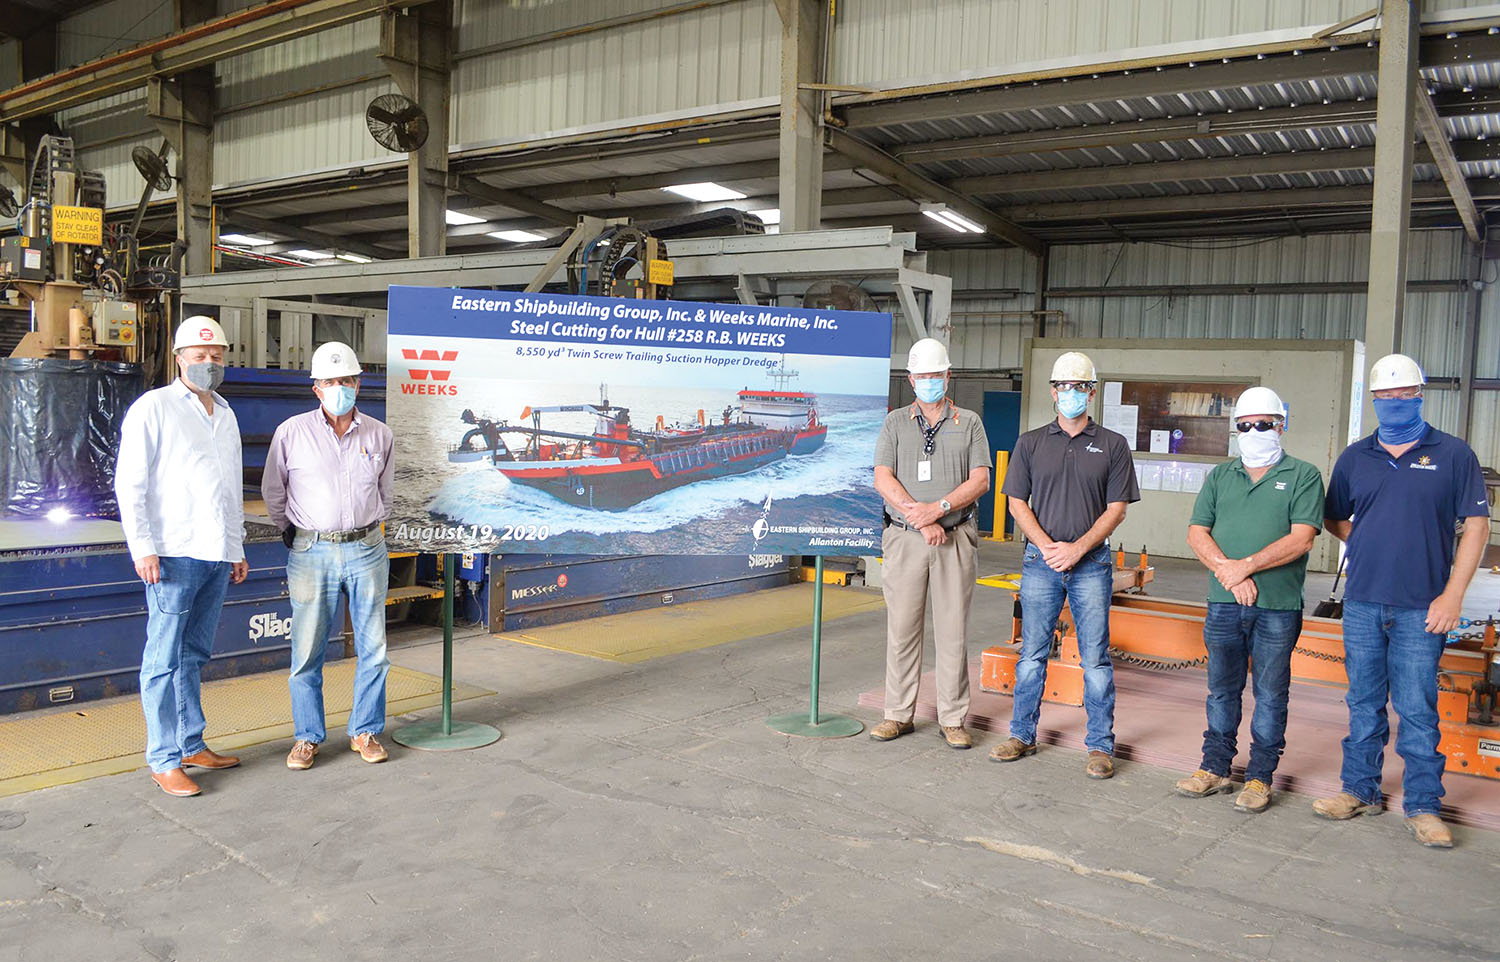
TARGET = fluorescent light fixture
x,y
355,258
951,220
458,218
516,236
313,255
705,192
771,215
59,515
245,240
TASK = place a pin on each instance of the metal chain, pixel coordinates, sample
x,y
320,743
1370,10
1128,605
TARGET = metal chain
x,y
1319,655
1156,664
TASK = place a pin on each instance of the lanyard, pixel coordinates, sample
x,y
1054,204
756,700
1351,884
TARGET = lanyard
x,y
929,434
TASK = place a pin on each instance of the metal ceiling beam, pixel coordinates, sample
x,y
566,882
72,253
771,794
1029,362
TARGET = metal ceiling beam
x,y
1172,129
718,173
311,236
1289,199
921,187
1159,81
482,193
1210,168
1436,136
199,46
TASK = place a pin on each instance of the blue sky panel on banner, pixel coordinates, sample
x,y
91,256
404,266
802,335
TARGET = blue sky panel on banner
x,y
591,425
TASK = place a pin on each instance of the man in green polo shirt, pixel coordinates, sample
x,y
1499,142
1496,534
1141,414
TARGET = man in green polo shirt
x,y
1252,527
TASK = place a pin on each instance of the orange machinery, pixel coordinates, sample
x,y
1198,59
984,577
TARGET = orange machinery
x,y
1164,634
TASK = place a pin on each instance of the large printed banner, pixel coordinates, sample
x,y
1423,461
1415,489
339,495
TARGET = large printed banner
x,y
594,425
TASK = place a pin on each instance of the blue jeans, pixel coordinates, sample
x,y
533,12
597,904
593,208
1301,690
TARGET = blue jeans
x,y
1087,588
1241,638
1389,651
316,573
182,619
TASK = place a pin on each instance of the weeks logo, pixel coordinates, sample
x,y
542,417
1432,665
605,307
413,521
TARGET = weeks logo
x,y
429,380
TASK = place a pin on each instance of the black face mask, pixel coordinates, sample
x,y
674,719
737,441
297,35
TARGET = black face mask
x,y
204,375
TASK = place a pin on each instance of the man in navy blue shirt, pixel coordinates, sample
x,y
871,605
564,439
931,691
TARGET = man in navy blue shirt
x,y
1396,498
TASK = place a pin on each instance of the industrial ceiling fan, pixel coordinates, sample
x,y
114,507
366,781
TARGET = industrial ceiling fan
x,y
397,122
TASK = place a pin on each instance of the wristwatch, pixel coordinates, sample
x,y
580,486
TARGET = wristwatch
x,y
945,506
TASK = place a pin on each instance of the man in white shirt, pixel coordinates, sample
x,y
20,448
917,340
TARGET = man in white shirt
x,y
178,481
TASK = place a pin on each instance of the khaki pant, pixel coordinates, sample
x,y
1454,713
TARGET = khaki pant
x,y
914,573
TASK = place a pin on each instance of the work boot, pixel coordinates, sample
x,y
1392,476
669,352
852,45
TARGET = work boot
x,y
369,749
1342,806
891,729
1430,831
956,737
1012,749
208,758
1255,798
175,782
300,758
1100,765
1203,782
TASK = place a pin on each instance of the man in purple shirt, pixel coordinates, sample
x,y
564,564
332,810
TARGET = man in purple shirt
x,y
328,486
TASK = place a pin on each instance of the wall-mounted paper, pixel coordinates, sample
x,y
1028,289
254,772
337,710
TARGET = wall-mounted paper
x,y
1159,441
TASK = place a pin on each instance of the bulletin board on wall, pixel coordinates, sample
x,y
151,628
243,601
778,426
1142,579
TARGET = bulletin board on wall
x,y
1187,419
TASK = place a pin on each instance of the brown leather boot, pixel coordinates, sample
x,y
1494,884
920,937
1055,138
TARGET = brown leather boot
x,y
176,782
1100,765
1011,749
208,758
891,729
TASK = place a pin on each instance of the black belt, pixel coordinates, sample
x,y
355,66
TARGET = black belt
x,y
963,518
340,537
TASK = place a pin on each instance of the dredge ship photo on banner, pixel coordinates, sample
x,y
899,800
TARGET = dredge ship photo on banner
x,y
555,423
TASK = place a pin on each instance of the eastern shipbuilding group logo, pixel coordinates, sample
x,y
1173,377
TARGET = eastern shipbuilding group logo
x,y
429,380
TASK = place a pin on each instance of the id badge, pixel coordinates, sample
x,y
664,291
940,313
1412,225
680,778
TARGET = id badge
x,y
924,470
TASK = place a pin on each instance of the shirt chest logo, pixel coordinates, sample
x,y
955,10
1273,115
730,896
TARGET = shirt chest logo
x,y
1092,449
1280,485
1424,463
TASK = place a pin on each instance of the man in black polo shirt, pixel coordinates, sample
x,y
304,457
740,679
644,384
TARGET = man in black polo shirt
x,y
1395,498
1068,484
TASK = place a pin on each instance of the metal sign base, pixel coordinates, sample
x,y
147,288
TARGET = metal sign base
x,y
444,734
810,724
430,737
828,726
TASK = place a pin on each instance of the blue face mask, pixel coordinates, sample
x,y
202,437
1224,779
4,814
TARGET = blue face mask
x,y
1070,404
1400,419
930,390
338,400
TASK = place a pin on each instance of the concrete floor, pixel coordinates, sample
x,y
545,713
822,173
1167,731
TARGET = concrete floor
x,y
645,812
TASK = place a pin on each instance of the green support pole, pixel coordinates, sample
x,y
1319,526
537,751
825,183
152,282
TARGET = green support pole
x,y
811,725
447,735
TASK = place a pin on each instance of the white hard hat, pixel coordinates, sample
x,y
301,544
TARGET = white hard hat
x,y
198,330
1395,370
334,359
1073,366
1259,400
927,356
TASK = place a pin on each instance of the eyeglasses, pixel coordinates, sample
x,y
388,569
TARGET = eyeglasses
x,y
1245,426
1073,385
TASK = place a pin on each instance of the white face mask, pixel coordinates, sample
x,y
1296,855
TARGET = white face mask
x,y
1260,449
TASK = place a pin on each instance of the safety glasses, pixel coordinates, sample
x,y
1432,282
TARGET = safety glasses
x,y
1245,426
1073,385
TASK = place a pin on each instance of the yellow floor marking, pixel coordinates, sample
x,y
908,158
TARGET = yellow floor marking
x,y
637,636
107,737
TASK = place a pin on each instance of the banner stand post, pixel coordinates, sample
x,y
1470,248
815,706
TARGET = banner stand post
x,y
446,735
811,724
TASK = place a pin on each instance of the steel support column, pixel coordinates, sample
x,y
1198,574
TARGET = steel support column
x,y
1395,130
416,47
801,145
182,109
